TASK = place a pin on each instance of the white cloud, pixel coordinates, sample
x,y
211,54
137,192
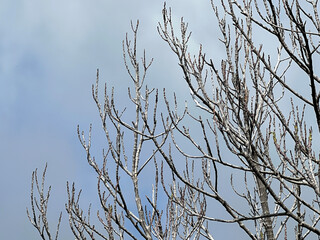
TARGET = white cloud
x,y
49,51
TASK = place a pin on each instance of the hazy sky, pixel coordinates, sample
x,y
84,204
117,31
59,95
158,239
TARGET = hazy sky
x,y
49,53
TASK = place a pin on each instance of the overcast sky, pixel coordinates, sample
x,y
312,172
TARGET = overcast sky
x,y
49,53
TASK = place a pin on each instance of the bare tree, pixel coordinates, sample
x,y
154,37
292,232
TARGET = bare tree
x,y
40,221
254,121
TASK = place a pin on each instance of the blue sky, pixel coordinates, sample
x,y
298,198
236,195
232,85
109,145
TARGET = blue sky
x,y
49,53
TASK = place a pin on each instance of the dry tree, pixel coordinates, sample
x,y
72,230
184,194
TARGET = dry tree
x,y
255,119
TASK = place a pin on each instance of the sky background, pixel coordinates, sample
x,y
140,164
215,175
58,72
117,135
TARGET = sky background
x,y
49,53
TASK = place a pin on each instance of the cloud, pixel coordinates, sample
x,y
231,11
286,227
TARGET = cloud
x,y
49,52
